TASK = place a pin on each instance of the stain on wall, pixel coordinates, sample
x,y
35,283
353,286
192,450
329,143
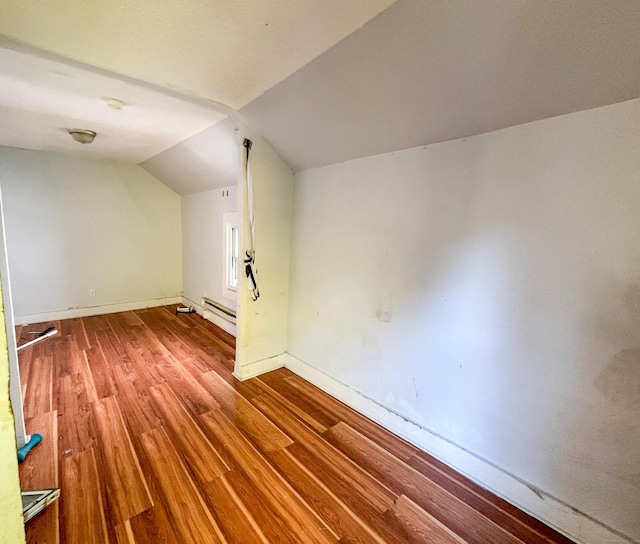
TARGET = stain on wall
x,y
619,380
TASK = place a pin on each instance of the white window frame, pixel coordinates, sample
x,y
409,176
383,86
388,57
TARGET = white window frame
x,y
229,224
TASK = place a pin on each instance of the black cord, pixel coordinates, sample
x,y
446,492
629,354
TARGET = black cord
x,y
247,143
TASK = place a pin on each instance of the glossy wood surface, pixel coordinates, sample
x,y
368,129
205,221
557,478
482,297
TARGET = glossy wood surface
x,y
152,440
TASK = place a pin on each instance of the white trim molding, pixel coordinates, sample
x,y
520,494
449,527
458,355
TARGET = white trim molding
x,y
251,370
218,321
567,520
95,310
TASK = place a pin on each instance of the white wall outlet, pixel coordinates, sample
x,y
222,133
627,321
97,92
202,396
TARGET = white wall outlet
x,y
92,292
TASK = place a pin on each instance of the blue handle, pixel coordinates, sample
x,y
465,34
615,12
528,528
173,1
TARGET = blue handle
x,y
33,441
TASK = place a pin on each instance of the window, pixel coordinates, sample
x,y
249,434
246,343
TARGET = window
x,y
231,256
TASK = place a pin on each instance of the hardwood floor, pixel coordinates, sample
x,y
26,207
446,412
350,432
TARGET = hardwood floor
x,y
151,439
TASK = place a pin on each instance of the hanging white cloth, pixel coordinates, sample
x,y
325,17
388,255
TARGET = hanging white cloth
x,y
250,267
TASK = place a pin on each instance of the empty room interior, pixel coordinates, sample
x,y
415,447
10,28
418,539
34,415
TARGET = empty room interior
x,y
320,271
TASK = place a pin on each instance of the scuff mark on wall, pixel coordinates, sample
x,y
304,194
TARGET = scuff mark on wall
x,y
536,491
384,284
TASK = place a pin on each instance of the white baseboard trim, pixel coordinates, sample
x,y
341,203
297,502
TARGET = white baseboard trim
x,y
95,310
216,320
251,370
555,513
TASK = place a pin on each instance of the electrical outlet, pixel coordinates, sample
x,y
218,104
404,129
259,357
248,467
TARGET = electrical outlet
x,y
92,292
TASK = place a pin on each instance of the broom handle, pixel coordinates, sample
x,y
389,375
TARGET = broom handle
x,y
44,334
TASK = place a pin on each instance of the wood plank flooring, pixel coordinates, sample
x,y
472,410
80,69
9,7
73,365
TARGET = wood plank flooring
x,y
152,440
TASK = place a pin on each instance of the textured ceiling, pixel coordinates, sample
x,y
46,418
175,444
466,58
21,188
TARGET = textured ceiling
x,y
228,51
428,71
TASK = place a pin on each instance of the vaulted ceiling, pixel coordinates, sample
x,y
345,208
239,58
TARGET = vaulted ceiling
x,y
426,71
227,51
323,81
40,98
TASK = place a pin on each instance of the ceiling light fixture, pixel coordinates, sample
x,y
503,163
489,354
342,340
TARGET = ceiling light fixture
x,y
81,135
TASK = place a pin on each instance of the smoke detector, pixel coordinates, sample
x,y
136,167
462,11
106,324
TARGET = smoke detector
x,y
82,135
114,103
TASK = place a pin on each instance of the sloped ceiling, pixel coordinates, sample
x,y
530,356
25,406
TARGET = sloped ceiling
x,y
41,98
60,59
428,71
418,72
227,51
208,160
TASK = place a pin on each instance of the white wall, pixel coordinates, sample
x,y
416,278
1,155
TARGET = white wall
x,y
75,224
203,243
488,290
262,325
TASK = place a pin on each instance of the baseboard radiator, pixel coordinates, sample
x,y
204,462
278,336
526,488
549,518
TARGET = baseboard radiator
x,y
219,314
